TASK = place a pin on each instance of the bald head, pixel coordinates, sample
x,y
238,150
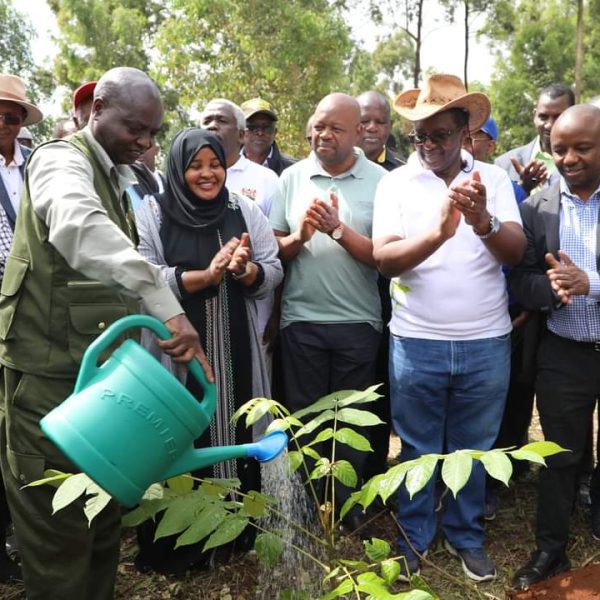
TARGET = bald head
x,y
376,122
126,113
123,84
575,141
335,132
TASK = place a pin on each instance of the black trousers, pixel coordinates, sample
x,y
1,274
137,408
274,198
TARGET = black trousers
x,y
567,385
322,358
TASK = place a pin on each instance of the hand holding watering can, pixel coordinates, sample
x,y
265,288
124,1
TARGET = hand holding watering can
x,y
130,423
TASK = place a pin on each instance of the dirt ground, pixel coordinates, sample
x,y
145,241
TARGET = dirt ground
x,y
510,539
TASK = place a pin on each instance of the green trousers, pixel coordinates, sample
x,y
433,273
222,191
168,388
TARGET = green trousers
x,y
62,557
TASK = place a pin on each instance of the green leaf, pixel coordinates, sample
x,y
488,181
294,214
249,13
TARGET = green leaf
x,y
498,465
219,487
392,479
353,439
544,448
349,503
311,452
376,549
333,573
326,403
360,396
345,473
69,491
55,478
181,513
208,520
390,570
322,436
96,503
269,548
260,409
456,470
155,492
278,425
228,530
355,416
322,468
371,583
255,504
530,456
358,565
182,484
418,583
296,459
416,595
420,474
343,588
313,424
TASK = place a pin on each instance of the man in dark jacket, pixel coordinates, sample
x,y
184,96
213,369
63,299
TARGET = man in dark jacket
x,y
259,140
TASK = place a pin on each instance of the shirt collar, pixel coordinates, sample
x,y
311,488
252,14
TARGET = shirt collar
x,y
416,167
357,170
121,175
566,192
239,164
18,158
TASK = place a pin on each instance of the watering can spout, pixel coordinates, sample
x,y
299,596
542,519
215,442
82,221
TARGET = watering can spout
x,y
264,450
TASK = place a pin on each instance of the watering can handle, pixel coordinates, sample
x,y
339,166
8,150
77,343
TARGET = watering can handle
x,y
89,363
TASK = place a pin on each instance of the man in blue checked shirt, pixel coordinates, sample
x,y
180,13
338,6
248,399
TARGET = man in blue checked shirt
x,y
559,275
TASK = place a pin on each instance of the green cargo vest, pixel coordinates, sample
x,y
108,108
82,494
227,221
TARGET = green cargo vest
x,y
50,313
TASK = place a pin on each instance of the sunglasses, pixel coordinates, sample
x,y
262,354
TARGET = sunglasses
x,y
253,128
11,119
437,137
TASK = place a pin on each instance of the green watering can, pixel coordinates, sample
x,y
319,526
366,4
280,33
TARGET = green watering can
x,y
130,423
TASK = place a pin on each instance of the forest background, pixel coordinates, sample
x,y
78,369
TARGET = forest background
x,y
293,53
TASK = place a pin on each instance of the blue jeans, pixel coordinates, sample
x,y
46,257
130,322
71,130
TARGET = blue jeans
x,y
446,396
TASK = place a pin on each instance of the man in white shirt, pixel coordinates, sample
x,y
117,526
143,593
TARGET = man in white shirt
x,y
15,112
443,226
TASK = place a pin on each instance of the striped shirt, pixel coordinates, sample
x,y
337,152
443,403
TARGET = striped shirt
x,y
579,321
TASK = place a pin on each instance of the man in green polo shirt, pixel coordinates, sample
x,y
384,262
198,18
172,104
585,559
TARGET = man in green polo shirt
x,y
330,308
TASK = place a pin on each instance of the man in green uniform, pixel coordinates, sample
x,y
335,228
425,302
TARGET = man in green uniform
x,y
72,271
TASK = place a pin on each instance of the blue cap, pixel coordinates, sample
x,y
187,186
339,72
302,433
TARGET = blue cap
x,y
491,129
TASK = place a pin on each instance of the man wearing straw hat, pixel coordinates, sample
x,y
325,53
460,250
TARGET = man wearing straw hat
x,y
443,226
15,112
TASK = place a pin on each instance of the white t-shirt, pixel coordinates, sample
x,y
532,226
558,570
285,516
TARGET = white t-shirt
x,y
459,292
254,181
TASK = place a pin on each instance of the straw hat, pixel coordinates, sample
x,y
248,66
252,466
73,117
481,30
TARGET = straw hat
x,y
439,93
12,89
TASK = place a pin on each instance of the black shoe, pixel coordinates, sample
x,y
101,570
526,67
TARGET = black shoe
x,y
540,566
596,521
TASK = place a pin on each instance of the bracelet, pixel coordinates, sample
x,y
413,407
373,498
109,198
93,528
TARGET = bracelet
x,y
247,271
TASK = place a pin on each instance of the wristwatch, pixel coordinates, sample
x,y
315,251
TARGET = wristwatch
x,y
494,228
337,233
244,273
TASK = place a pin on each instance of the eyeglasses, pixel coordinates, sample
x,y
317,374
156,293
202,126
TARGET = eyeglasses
x,y
11,119
437,137
253,127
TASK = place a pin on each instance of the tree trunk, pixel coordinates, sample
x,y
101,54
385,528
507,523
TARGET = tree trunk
x,y
466,65
579,50
417,70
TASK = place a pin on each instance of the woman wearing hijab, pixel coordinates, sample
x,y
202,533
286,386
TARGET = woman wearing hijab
x,y
218,254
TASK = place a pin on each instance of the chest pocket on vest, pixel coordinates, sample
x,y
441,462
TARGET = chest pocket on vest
x,y
14,275
92,308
